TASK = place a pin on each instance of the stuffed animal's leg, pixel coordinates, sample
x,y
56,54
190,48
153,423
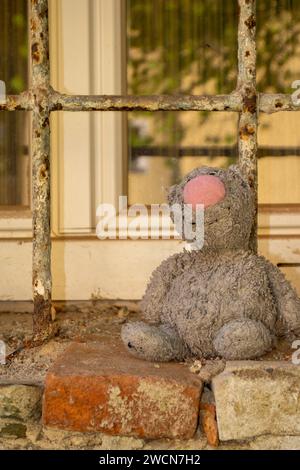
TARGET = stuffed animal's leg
x,y
242,339
153,343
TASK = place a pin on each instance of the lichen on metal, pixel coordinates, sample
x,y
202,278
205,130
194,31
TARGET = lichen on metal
x,y
41,99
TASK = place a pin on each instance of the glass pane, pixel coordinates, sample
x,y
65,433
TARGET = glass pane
x,y
14,127
278,45
178,46
279,158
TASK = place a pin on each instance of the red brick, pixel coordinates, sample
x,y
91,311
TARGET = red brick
x,y
209,423
100,387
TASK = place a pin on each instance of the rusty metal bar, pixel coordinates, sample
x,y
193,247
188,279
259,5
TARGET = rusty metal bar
x,y
231,102
266,102
272,103
247,87
234,102
41,261
22,102
247,136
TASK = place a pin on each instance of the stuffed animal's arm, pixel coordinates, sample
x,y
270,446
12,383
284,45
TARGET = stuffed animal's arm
x,y
287,300
159,285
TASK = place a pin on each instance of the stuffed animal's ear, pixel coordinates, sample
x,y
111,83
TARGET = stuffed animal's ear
x,y
172,193
235,169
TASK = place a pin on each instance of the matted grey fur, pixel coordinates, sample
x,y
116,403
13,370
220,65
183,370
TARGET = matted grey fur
x,y
222,300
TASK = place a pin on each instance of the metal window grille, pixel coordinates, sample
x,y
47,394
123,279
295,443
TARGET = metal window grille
x,y
42,99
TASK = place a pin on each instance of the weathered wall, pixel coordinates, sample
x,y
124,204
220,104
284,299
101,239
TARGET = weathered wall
x,y
115,269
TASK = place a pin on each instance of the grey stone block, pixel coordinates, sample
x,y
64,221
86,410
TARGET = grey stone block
x,y
257,398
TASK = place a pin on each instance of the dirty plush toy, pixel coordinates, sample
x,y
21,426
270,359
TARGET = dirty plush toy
x,y
222,300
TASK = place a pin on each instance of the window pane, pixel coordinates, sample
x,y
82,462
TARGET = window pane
x,y
278,45
279,158
14,127
167,145
278,66
178,46
14,159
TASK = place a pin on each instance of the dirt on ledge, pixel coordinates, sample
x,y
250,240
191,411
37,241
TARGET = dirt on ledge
x,y
83,321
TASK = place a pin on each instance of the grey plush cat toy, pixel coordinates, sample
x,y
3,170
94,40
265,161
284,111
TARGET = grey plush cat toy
x,y
222,300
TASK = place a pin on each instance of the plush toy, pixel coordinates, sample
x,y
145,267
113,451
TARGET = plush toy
x,y
222,300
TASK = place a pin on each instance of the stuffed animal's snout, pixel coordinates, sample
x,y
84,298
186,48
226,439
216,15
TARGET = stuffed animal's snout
x,y
204,189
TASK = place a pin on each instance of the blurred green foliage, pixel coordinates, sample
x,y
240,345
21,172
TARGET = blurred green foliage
x,y
175,46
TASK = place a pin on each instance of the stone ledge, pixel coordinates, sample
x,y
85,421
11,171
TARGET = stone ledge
x,y
257,398
100,387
